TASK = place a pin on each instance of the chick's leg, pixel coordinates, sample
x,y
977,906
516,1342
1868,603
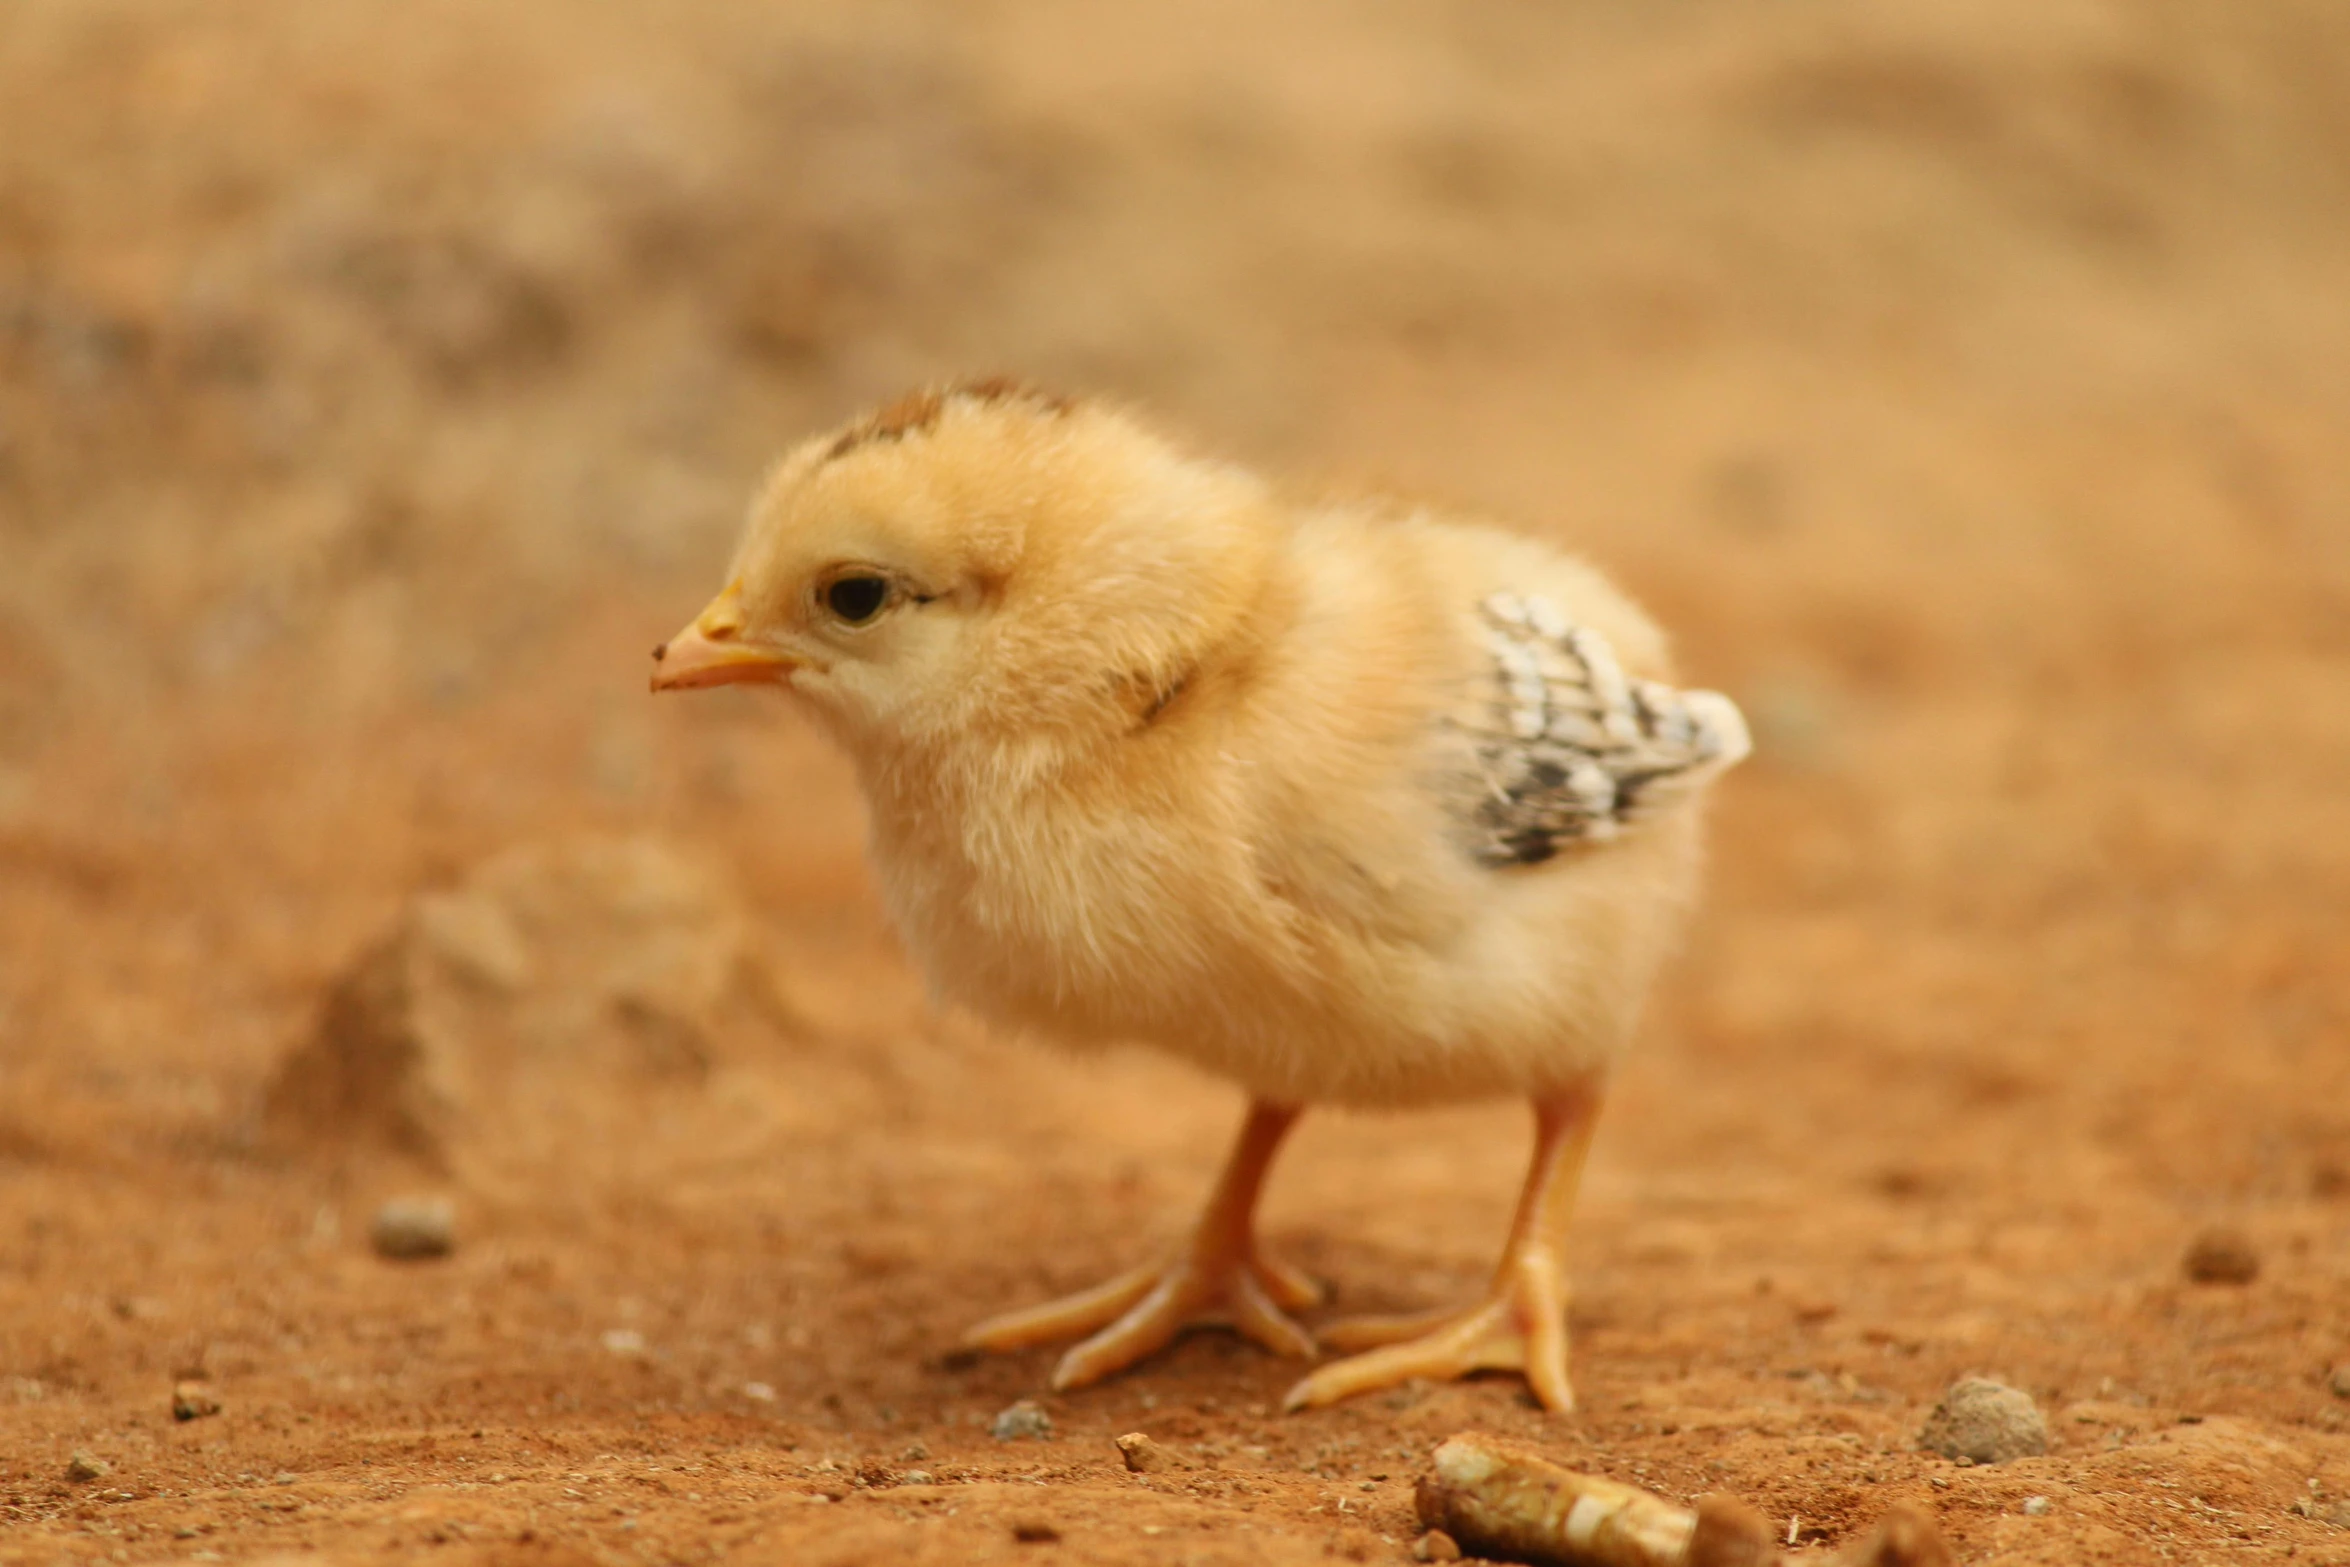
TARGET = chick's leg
x,y
1521,1324
1220,1273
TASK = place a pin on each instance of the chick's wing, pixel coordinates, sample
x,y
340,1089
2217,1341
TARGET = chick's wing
x,y
1570,750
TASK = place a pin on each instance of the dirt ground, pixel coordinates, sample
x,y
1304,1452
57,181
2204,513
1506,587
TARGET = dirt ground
x,y
1968,387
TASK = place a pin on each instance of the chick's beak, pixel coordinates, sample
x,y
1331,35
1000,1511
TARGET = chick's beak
x,y
711,652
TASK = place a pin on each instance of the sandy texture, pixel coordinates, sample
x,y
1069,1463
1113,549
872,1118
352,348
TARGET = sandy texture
x,y
1964,384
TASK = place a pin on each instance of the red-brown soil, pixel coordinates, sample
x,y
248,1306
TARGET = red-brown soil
x,y
1965,385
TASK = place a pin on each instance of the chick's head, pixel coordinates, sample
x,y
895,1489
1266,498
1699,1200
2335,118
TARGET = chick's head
x,y
980,560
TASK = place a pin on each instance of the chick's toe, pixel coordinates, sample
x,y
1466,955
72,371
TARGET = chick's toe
x,y
1219,1276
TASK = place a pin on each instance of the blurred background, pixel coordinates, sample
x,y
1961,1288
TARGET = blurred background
x,y
1968,388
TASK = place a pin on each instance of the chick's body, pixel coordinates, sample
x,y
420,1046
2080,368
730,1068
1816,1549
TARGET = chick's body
x,y
1267,876
1346,802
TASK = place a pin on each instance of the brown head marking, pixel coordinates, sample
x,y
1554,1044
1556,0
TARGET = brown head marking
x,y
918,411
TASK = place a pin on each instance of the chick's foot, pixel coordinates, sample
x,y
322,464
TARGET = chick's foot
x,y
1220,1276
1141,1312
1520,1325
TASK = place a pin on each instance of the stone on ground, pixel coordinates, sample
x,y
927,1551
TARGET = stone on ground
x,y
410,1229
1024,1421
1985,1422
2222,1256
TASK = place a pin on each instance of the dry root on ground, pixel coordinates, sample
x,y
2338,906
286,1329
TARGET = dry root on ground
x,y
1494,1498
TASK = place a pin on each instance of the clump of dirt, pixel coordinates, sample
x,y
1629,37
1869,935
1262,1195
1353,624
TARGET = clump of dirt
x,y
2222,1256
523,1015
1980,1421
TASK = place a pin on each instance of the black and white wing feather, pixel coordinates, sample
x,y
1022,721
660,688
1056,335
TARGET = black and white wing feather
x,y
1571,751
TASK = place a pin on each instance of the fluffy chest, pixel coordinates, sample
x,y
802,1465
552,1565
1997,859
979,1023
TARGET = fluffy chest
x,y
1070,903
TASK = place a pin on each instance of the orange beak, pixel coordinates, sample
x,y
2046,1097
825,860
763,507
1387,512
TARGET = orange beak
x,y
711,652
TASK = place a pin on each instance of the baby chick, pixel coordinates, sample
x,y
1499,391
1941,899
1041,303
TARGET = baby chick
x,y
1347,802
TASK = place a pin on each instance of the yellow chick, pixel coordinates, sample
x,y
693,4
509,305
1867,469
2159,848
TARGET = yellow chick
x,y
1347,802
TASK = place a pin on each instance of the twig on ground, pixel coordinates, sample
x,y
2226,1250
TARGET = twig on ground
x,y
1499,1499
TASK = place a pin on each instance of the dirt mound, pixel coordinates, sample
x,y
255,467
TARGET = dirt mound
x,y
523,1016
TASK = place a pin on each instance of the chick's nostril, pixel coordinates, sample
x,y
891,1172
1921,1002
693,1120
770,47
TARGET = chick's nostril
x,y
660,651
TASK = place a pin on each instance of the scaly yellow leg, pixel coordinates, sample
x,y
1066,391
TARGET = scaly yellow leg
x,y
1220,1274
1521,1324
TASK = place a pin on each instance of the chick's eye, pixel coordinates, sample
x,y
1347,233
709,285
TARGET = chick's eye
x,y
856,599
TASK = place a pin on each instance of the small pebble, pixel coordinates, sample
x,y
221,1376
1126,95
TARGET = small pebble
x,y
192,1401
917,1477
2036,1506
82,1468
1436,1546
1984,1422
1146,1457
2222,1256
408,1229
1034,1531
1024,1421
